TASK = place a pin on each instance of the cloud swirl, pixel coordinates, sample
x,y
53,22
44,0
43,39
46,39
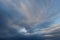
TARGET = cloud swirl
x,y
29,17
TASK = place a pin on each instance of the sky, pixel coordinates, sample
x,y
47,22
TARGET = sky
x,y
29,19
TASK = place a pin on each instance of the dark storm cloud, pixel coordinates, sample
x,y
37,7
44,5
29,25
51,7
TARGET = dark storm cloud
x,y
7,12
27,19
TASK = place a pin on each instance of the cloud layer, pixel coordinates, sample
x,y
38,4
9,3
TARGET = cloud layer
x,y
29,17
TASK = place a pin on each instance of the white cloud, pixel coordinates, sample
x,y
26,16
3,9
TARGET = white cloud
x,y
51,29
23,30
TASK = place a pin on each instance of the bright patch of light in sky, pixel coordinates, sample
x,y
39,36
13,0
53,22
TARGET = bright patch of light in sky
x,y
23,30
57,21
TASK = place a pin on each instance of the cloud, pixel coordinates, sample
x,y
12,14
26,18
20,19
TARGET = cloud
x,y
29,17
52,28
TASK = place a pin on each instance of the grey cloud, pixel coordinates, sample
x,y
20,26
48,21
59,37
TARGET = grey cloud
x,y
27,17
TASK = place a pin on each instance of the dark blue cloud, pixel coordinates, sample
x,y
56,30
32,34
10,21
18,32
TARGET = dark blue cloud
x,y
24,20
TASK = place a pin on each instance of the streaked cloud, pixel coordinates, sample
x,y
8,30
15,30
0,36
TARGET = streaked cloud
x,y
31,17
51,29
